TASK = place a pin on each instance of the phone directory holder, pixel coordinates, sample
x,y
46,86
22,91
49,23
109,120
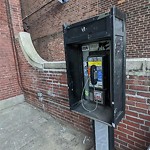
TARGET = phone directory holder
x,y
95,62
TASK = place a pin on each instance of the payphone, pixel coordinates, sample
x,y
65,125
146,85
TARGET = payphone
x,y
95,89
95,62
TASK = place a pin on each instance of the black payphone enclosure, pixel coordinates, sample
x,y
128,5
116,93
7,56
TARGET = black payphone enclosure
x,y
111,27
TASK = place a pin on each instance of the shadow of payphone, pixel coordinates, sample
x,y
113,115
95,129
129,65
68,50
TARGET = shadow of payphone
x,y
95,61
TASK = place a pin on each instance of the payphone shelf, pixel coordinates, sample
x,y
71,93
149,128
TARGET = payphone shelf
x,y
102,113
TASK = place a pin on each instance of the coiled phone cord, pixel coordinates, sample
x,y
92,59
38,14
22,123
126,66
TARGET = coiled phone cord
x,y
82,100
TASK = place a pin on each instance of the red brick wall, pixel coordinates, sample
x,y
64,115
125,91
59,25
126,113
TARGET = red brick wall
x,y
133,133
53,86
134,130
45,25
9,86
46,29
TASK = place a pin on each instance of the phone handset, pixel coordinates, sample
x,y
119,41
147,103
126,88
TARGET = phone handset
x,y
93,75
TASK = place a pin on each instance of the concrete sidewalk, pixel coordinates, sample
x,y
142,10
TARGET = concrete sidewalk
x,y
23,127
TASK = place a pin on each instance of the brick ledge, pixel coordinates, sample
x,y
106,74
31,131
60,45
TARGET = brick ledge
x,y
138,66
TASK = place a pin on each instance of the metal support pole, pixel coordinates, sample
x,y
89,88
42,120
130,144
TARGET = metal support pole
x,y
104,136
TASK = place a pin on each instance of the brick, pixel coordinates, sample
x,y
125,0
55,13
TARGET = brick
x,y
121,142
116,145
142,137
121,124
133,147
145,117
133,77
125,130
143,106
144,128
130,92
147,134
131,123
119,133
131,113
144,94
134,119
124,148
140,110
147,123
148,112
140,141
136,99
130,81
135,82
139,88
140,146
132,103
135,130
126,140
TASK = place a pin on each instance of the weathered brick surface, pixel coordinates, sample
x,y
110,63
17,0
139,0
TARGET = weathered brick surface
x,y
134,129
46,24
9,86
55,96
46,29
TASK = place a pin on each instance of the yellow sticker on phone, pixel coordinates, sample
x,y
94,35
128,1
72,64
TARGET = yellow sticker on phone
x,y
96,63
